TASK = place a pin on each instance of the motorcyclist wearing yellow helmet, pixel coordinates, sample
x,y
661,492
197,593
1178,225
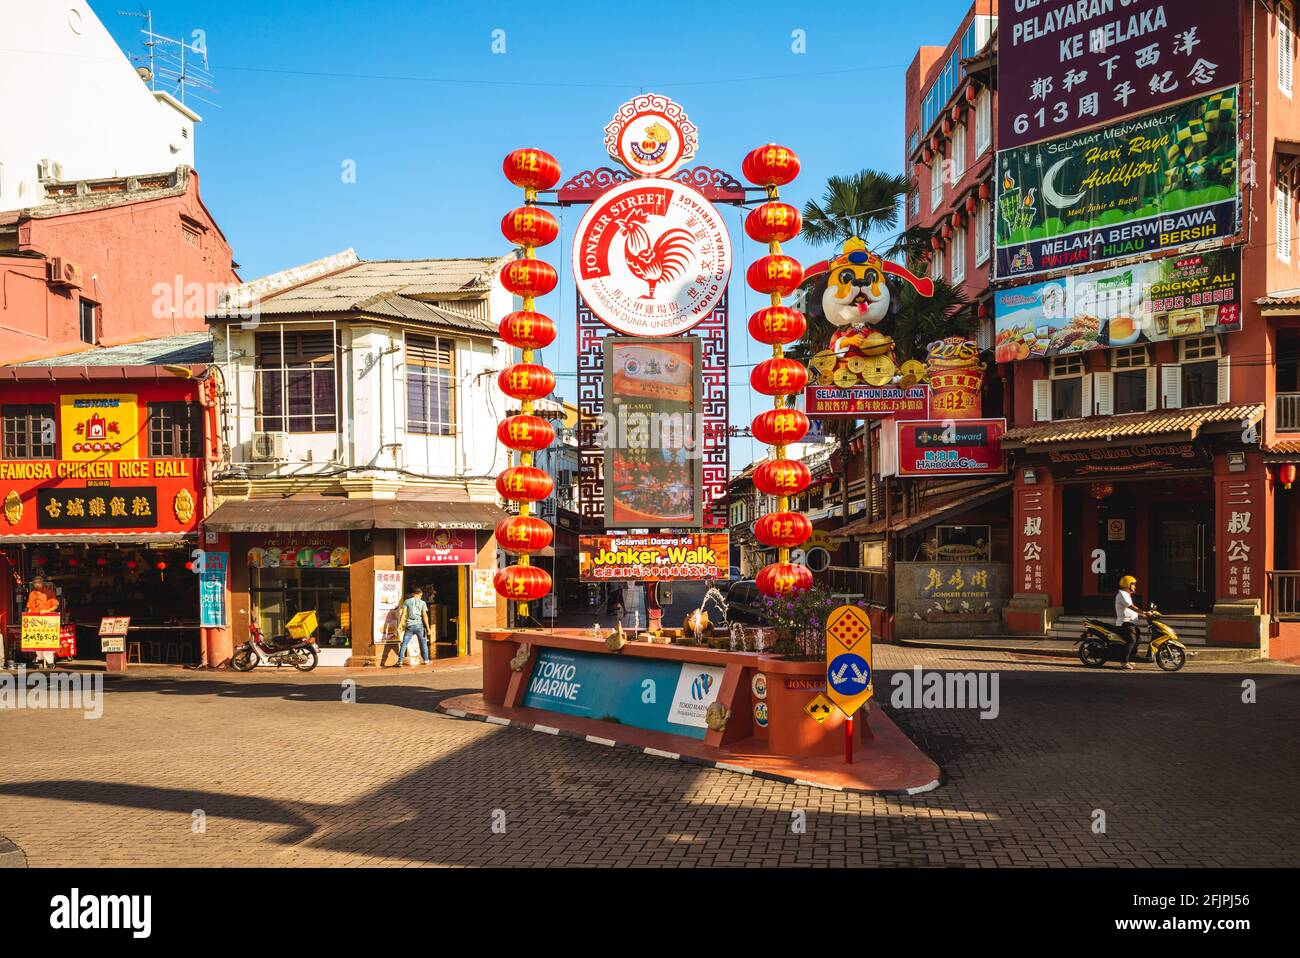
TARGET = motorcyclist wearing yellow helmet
x,y
1126,616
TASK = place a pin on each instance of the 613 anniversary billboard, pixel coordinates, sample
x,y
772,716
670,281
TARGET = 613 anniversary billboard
x,y
1149,183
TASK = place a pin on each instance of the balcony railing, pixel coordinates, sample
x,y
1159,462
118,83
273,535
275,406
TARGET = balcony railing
x,y
1284,594
1288,412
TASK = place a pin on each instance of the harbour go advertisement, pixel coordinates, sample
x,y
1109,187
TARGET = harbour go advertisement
x,y
1189,295
1146,184
653,558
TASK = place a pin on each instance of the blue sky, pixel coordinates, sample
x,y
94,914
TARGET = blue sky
x,y
292,107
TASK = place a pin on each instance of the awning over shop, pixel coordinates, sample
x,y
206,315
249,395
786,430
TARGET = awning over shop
x,y
99,538
1180,423
310,513
933,515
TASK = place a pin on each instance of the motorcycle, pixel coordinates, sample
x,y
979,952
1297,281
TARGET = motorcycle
x,y
1102,642
287,651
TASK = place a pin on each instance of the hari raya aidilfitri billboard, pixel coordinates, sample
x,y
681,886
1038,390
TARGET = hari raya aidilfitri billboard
x,y
1140,186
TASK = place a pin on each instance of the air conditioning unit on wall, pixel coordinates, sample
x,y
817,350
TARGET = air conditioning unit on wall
x,y
270,446
65,273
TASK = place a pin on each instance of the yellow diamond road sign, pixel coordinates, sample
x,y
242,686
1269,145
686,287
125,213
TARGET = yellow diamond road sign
x,y
848,658
820,708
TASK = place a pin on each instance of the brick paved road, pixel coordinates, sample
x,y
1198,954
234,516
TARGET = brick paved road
x,y
287,774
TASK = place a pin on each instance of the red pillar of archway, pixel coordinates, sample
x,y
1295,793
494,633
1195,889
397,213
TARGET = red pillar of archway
x,y
1035,553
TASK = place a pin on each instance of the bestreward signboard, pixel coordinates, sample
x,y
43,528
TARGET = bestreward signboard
x,y
953,447
1065,65
1144,185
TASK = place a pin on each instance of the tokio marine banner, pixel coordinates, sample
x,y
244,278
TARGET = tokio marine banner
x,y
1149,184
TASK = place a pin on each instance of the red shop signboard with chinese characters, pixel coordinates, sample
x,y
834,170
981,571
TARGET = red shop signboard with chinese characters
x,y
439,547
90,470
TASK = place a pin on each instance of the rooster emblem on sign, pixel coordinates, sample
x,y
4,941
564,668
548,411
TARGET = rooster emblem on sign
x,y
662,261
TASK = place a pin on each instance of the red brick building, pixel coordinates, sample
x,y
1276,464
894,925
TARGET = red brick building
x,y
105,262
1161,459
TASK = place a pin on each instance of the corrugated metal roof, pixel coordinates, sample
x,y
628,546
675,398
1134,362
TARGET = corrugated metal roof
x,y
396,289
1169,421
184,350
931,515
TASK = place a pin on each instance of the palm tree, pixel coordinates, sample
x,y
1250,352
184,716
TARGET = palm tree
x,y
857,205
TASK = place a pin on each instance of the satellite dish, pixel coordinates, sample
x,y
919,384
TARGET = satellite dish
x,y
144,73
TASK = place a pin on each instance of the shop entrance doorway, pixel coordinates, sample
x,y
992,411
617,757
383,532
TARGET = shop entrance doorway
x,y
1182,558
442,592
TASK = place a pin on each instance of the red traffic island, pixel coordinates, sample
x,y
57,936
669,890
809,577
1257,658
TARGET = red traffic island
x,y
737,711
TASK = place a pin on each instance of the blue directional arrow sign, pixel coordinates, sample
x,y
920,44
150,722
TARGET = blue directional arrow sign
x,y
848,658
848,674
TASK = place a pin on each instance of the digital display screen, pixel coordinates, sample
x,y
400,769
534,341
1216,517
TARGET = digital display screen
x,y
652,433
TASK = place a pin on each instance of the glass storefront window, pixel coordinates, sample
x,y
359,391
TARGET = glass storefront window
x,y
280,593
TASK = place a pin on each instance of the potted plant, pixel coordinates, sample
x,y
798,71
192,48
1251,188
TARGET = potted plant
x,y
796,673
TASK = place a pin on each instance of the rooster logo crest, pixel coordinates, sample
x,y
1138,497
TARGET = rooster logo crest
x,y
662,261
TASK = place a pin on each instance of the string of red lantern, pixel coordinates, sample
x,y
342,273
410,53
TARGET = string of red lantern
x,y
528,227
778,275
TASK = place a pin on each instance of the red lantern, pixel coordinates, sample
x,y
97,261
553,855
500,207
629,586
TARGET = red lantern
x,y
770,165
525,433
74,562
522,583
526,381
777,325
525,484
40,560
928,156
529,278
101,562
983,310
523,534
531,169
780,427
972,205
131,563
783,530
947,126
947,231
530,226
783,578
971,93
985,191
779,377
934,143
956,113
775,274
782,477
160,566
957,221
935,243
528,330
1287,474
773,223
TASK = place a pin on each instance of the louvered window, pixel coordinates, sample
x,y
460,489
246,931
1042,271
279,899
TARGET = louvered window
x,y
430,386
297,381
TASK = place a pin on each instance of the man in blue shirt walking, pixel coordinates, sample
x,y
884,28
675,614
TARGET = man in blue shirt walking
x,y
416,615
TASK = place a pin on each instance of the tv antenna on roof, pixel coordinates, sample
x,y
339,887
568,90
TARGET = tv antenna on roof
x,y
179,64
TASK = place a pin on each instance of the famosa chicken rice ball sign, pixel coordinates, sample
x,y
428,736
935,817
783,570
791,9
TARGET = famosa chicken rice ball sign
x,y
652,257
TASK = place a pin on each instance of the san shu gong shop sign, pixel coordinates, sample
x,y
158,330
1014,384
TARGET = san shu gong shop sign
x,y
160,495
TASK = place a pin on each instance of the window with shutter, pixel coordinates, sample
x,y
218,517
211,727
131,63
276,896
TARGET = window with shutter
x,y
1173,386
936,182
983,122
1285,46
983,232
1284,214
430,386
959,152
297,381
1042,400
1103,390
958,257
1225,381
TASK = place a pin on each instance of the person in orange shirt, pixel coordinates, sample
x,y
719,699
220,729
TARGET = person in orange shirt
x,y
41,600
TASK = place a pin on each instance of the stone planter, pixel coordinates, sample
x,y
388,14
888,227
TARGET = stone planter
x,y
791,730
